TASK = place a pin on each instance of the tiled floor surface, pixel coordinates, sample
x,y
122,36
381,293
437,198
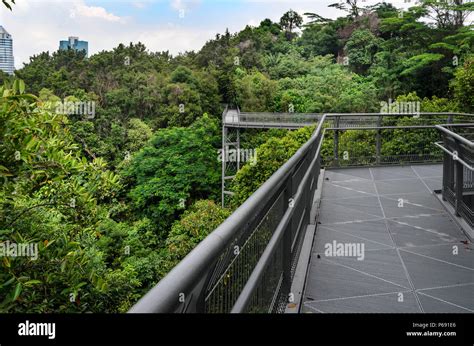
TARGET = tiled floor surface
x,y
415,258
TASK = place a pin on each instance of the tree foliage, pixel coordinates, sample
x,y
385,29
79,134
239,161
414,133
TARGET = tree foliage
x,y
177,166
270,156
290,21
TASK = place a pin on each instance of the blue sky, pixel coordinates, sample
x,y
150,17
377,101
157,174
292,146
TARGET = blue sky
x,y
174,25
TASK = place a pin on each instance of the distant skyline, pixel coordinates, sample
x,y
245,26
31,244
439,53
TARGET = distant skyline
x,y
73,42
174,25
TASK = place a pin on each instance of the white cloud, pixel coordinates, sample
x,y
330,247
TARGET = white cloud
x,y
94,12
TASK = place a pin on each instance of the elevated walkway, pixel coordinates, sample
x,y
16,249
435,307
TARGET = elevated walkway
x,y
401,250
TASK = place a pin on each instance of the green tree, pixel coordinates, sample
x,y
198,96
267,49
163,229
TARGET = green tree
x,y
176,167
138,133
270,156
290,21
463,85
448,14
319,39
254,91
349,6
203,217
361,49
51,199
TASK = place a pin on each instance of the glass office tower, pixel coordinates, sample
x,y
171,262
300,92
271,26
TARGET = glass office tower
x,y
6,52
74,43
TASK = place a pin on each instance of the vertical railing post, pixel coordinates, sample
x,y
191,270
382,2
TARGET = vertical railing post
x,y
378,143
306,205
447,168
336,141
446,174
450,119
314,178
459,181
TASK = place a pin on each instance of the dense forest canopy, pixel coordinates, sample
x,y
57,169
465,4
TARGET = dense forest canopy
x,y
115,199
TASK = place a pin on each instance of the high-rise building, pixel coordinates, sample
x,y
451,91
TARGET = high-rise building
x,y
6,52
74,43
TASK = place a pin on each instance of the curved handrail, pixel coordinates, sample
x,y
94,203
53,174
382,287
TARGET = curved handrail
x,y
244,299
455,135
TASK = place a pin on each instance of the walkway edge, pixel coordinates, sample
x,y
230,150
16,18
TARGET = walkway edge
x,y
299,280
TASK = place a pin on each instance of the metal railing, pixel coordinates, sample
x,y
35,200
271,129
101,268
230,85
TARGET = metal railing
x,y
234,117
458,169
247,264
267,119
371,139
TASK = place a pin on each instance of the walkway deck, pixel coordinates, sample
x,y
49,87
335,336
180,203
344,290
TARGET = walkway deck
x,y
409,263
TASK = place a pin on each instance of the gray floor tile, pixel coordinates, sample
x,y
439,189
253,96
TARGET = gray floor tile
x,y
426,272
457,297
434,183
400,302
432,305
338,190
457,253
383,264
371,231
384,173
328,280
341,189
328,236
402,204
400,186
424,230
341,210
348,173
428,170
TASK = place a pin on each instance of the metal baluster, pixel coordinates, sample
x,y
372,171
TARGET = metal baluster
x,y
378,141
336,142
459,180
